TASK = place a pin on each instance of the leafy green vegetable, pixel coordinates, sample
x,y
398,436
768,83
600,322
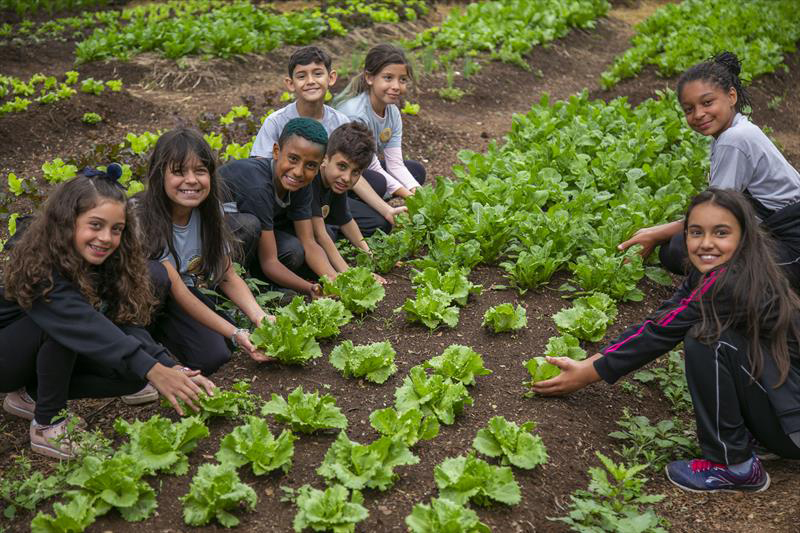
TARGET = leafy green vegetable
x,y
459,363
434,395
216,490
286,341
564,346
229,403
656,445
515,444
161,445
614,504
677,36
431,307
328,510
374,362
534,266
324,315
444,515
74,517
115,483
614,274
588,318
540,369
467,478
254,443
387,250
359,466
306,412
57,171
454,282
505,317
409,426
357,289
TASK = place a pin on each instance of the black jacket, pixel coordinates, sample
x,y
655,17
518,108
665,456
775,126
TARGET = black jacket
x,y
667,327
68,318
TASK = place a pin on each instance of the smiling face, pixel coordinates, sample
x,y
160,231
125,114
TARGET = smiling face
x,y
387,86
709,109
296,163
339,173
310,82
712,236
98,231
186,185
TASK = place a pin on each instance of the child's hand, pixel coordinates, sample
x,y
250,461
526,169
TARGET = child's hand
x,y
315,291
256,355
380,279
574,375
178,383
393,212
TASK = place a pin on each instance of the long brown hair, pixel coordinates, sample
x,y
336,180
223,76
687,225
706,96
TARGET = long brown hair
x,y
755,285
377,58
174,149
122,281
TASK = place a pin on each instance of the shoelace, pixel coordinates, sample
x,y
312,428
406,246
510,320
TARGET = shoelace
x,y
701,465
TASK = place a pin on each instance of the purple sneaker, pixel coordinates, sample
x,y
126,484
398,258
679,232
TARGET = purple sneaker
x,y
702,475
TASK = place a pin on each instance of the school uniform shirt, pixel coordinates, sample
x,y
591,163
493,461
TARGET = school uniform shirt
x,y
332,207
250,181
188,244
273,126
744,159
388,134
69,319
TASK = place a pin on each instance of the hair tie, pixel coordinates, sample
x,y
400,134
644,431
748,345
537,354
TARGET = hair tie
x,y
112,174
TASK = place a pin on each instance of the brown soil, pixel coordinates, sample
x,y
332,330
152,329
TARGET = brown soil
x,y
159,95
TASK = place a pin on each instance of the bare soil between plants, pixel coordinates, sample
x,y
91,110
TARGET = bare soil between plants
x,y
160,95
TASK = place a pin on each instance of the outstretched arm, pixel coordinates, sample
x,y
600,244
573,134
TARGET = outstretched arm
x,y
651,237
574,375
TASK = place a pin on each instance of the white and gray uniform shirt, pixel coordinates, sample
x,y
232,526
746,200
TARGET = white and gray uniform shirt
x,y
744,159
188,243
273,126
387,130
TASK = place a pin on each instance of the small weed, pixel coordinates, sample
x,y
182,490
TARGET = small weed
x,y
91,118
774,103
643,442
671,379
451,94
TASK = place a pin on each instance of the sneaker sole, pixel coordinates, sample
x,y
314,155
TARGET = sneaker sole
x,y
50,451
704,491
16,411
139,400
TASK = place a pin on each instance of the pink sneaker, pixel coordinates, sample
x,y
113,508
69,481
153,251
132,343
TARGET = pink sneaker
x,y
48,440
19,403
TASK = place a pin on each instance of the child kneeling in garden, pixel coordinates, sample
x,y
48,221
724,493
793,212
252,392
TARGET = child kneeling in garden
x,y
739,321
77,295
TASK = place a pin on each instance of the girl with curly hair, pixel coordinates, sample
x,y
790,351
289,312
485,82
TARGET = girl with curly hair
x,y
75,299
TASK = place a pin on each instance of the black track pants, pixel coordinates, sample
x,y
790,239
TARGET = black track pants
x,y
52,374
729,406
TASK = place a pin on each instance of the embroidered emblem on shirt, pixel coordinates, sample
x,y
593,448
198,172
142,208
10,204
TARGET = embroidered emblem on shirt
x,y
386,134
325,210
193,266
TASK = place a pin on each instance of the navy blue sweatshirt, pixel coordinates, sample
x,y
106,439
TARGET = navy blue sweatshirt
x,y
68,318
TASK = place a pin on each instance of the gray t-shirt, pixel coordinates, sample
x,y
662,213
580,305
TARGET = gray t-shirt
x,y
743,158
387,130
273,126
188,243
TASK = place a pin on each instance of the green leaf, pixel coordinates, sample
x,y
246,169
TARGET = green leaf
x,y
540,369
161,445
330,510
215,490
356,288
467,478
433,395
431,307
505,317
515,444
409,426
444,515
286,341
306,412
254,444
358,466
374,362
325,316
459,363
74,517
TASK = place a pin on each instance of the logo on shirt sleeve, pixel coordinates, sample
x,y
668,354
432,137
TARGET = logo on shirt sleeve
x,y
325,210
386,134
